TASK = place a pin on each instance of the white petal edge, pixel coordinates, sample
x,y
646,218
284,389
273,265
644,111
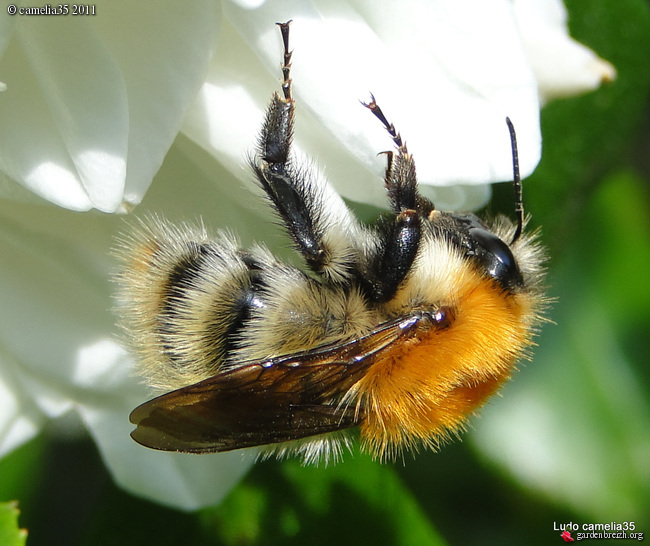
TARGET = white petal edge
x,y
20,421
54,289
179,480
93,108
182,481
563,67
447,85
236,100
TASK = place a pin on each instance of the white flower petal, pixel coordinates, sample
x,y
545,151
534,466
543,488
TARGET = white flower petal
x,y
446,88
94,103
459,197
190,482
249,4
562,66
39,326
19,419
51,304
86,101
57,348
91,109
179,480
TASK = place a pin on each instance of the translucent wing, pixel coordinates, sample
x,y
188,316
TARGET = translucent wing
x,y
266,402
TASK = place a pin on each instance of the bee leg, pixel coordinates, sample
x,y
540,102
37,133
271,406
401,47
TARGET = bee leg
x,y
398,247
316,218
399,241
292,197
400,178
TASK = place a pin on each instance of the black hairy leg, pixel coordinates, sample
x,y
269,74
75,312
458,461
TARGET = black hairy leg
x,y
290,189
400,179
321,227
400,239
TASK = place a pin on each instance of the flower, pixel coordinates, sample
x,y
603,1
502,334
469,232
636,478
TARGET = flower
x,y
93,105
80,128
562,66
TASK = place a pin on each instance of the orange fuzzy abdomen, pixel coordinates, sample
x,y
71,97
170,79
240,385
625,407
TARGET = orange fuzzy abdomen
x,y
424,389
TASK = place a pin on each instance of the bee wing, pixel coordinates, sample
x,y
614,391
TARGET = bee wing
x,y
266,402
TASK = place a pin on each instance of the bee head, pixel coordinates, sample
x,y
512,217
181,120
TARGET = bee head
x,y
491,254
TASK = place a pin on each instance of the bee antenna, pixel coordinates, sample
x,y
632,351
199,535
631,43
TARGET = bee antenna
x,y
516,182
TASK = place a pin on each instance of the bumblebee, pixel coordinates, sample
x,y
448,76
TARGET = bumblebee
x,y
400,330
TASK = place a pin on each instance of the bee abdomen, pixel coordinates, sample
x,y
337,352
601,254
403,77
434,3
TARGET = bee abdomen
x,y
186,299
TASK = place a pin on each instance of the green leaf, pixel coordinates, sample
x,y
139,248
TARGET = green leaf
x,y
10,534
356,502
20,472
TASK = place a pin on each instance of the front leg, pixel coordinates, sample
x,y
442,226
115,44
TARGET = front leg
x,y
400,179
398,247
399,242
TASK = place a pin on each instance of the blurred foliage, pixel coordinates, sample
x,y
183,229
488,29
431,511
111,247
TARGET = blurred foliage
x,y
570,439
10,534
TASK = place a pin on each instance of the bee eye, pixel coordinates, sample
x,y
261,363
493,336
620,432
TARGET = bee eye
x,y
497,258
